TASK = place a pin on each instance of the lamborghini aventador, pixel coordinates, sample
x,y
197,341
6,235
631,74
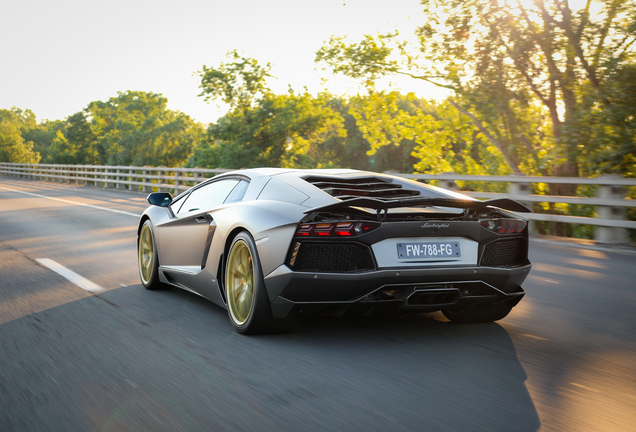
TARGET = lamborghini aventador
x,y
272,244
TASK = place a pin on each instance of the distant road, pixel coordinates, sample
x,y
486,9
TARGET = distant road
x,y
116,357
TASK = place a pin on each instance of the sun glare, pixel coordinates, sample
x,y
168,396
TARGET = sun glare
x,y
533,9
532,4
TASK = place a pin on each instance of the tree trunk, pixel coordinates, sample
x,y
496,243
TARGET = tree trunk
x,y
511,163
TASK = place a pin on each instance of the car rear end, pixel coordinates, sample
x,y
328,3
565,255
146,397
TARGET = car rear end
x,y
388,247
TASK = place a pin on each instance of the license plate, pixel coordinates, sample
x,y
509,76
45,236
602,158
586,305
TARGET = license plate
x,y
429,250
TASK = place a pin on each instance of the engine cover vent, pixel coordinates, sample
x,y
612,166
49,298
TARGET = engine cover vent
x,y
361,187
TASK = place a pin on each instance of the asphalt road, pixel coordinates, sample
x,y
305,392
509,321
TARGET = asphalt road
x,y
127,359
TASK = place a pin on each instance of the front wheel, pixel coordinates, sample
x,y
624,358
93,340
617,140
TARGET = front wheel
x,y
147,258
247,301
479,314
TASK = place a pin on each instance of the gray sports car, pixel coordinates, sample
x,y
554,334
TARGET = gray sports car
x,y
271,244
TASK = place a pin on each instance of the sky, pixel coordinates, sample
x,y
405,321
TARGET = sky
x,y
58,56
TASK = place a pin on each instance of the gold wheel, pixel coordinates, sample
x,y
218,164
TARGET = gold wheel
x,y
146,251
239,281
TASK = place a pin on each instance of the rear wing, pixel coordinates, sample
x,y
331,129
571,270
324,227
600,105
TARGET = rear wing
x,y
379,205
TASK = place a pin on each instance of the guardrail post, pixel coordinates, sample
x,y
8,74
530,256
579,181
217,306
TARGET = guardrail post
x,y
102,177
517,190
161,174
145,180
177,182
118,178
449,184
107,174
610,235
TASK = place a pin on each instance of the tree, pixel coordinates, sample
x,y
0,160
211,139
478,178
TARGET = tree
x,y
261,128
79,135
135,128
503,58
424,135
289,130
13,147
42,136
238,83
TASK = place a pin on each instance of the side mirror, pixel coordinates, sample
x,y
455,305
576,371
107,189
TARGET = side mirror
x,y
160,199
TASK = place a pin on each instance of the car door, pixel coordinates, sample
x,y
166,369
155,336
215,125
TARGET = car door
x,y
185,237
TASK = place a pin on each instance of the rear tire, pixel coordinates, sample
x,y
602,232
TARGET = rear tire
x,y
147,258
248,305
479,314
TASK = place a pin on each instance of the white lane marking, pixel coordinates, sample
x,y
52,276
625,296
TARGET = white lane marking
x,y
78,280
72,202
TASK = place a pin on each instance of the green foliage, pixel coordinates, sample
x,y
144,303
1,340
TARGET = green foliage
x,y
237,83
607,133
349,151
14,123
134,128
548,87
42,136
288,130
539,54
393,120
369,59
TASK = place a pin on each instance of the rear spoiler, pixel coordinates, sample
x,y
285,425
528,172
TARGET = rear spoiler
x,y
379,205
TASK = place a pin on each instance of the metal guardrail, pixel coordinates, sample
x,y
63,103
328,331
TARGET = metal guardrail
x,y
610,200
144,179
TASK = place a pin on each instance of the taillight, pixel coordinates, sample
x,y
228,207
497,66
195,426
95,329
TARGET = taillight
x,y
323,229
504,226
344,229
364,227
304,230
335,229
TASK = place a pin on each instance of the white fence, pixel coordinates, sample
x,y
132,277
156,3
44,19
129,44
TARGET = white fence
x,y
610,201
